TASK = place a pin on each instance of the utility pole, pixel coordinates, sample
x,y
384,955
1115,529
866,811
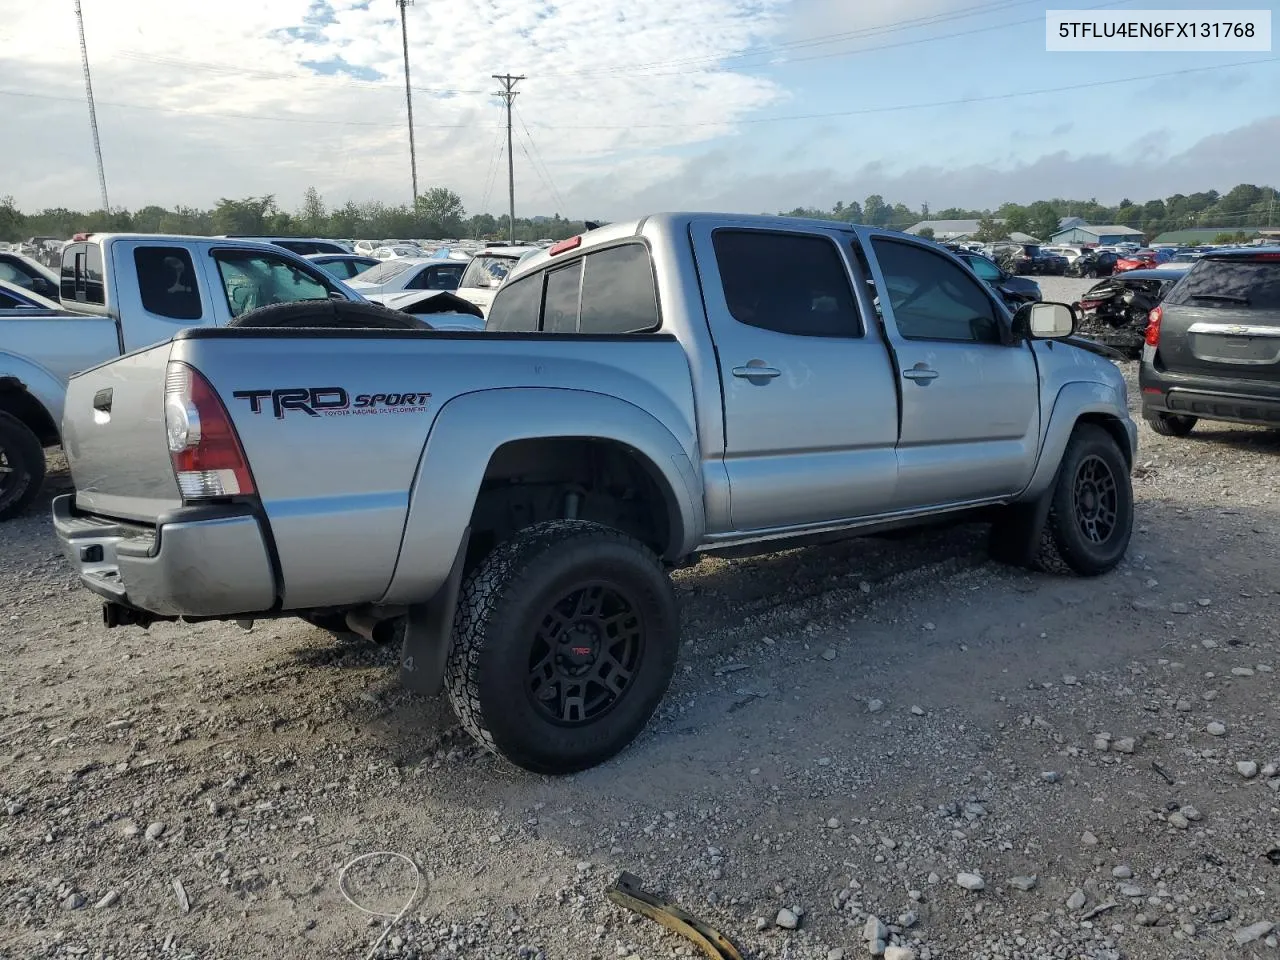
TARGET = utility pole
x,y
93,113
408,98
508,93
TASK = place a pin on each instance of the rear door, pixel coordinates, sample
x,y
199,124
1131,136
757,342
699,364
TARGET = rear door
x,y
810,405
1223,319
970,401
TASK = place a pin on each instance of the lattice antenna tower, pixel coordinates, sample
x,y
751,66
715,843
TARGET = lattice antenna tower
x,y
93,113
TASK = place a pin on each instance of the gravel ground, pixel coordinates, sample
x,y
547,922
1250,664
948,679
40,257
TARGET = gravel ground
x,y
889,745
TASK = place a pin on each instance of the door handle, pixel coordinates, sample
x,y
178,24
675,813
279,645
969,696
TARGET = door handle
x,y
920,374
102,400
756,370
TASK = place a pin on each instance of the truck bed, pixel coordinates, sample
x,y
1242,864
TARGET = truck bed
x,y
334,425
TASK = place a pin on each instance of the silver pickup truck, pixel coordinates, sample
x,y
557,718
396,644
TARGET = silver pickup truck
x,y
511,501
120,292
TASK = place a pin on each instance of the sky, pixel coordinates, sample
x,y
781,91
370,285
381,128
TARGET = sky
x,y
627,107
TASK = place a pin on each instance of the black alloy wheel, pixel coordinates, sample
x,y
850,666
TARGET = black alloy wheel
x,y
1094,499
585,653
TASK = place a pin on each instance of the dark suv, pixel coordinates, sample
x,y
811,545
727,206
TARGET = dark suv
x,y
1212,347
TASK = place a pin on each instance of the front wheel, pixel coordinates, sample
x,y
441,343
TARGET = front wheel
x,y
22,466
1090,517
565,641
1170,424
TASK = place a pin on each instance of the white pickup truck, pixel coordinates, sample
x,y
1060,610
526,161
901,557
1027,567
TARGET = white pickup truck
x,y
646,393
122,292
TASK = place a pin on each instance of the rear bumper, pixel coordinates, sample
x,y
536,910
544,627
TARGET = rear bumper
x,y
196,562
1210,398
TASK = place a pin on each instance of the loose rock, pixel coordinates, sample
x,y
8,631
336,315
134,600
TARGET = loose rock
x,y
1216,729
787,919
1247,769
971,882
1077,900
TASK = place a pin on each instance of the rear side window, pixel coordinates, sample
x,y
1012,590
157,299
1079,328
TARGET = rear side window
x,y
82,279
786,282
618,295
515,308
560,307
1234,284
167,282
437,278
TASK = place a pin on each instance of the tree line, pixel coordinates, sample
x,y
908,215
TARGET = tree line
x,y
1243,208
439,214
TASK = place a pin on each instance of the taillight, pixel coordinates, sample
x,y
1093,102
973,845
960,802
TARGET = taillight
x,y
206,454
1153,327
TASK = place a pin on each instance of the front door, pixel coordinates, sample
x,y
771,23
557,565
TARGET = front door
x,y
810,408
970,401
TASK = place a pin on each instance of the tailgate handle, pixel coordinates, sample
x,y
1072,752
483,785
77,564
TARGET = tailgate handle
x,y
102,400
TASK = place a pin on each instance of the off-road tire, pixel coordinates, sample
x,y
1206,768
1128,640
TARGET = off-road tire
x,y
500,607
24,457
1170,424
330,315
1064,548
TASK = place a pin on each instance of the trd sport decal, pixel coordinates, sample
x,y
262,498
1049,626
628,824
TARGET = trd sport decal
x,y
332,402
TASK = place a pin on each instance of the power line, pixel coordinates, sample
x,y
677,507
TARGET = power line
x,y
912,106
229,70
93,113
912,23
838,53
238,116
536,159
408,97
508,93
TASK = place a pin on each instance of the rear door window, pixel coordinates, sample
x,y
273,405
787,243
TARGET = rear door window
x,y
167,282
1234,284
786,282
618,294
252,280
515,309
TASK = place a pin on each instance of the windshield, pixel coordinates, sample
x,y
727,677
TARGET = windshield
x,y
383,272
488,271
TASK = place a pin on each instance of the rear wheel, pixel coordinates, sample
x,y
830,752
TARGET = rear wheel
x,y
22,466
1090,518
1170,424
564,643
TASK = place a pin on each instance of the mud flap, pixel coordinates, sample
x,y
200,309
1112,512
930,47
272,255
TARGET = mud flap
x,y
428,631
1016,532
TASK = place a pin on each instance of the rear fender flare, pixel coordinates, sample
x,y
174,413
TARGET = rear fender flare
x,y
470,428
22,375
1076,401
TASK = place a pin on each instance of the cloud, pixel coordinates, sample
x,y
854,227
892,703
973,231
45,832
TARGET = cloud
x,y
627,106
709,181
248,97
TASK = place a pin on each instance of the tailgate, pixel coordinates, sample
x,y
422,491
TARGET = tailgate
x,y
113,433
1223,319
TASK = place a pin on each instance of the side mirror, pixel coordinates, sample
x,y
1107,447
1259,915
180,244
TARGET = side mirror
x,y
1044,320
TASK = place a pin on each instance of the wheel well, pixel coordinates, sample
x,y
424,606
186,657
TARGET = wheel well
x,y
1114,427
529,481
17,402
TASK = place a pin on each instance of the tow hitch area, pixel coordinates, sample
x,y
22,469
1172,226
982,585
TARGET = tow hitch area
x,y
627,892
118,615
